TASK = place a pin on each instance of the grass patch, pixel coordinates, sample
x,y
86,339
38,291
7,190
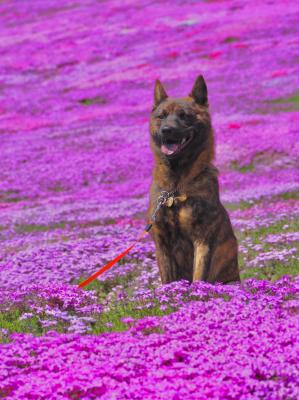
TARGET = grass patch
x,y
241,205
93,100
58,188
245,168
235,166
230,39
277,227
271,269
11,322
108,321
29,228
259,160
294,98
281,104
10,196
111,321
288,195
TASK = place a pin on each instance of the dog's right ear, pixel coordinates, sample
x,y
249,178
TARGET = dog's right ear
x,y
159,94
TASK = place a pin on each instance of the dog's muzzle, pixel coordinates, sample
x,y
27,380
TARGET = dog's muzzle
x,y
173,141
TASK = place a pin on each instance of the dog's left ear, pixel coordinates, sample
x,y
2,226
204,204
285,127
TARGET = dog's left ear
x,y
199,91
160,93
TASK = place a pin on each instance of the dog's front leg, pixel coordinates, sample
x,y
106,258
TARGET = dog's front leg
x,y
166,263
200,258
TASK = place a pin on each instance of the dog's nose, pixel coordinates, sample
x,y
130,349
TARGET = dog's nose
x,y
166,129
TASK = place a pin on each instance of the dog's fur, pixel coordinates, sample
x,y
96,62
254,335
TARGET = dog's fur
x,y
193,236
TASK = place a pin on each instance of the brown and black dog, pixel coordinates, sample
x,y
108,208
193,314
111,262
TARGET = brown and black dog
x,y
192,232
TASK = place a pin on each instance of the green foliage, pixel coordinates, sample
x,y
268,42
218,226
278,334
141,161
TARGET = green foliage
x,y
93,100
289,195
281,104
10,196
10,321
294,98
28,228
230,39
111,320
273,269
242,205
244,168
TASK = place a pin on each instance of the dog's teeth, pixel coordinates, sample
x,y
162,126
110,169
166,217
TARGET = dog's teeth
x,y
183,141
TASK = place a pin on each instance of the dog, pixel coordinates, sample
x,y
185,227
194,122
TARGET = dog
x,y
192,231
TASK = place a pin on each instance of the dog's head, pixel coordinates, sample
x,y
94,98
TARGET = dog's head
x,y
180,127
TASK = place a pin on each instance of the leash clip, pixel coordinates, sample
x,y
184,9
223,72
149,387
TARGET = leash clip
x,y
164,196
161,201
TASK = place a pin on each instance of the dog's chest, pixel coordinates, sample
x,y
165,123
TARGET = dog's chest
x,y
176,216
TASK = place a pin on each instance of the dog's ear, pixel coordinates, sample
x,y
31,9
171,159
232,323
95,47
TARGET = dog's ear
x,y
159,94
199,91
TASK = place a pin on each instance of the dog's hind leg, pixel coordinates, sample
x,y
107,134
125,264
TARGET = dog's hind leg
x,y
224,262
200,255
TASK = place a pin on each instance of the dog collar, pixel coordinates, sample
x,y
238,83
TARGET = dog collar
x,y
167,199
174,199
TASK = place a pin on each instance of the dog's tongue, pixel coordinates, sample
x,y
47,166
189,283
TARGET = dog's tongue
x,y
169,148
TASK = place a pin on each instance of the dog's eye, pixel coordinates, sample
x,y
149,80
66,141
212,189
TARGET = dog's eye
x,y
182,114
162,115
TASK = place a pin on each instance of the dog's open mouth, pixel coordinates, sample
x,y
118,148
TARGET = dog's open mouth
x,y
172,147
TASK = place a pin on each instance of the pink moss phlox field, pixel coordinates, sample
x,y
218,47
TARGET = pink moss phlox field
x,y
76,85
242,348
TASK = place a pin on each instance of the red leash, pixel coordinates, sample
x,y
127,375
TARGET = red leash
x,y
162,199
116,259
